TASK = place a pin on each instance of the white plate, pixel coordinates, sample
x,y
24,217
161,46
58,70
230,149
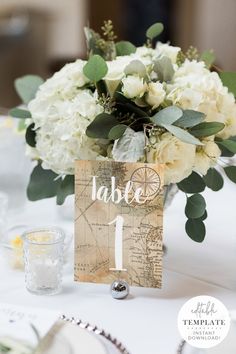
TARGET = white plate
x,y
66,338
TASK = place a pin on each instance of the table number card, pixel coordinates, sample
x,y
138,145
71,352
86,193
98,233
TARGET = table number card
x,y
118,225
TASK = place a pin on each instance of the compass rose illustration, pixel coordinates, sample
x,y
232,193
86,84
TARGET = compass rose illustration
x,y
147,179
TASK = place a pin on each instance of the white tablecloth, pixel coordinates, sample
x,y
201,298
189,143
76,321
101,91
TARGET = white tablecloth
x,y
146,321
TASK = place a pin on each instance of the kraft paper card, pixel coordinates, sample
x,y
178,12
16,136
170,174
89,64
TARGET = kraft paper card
x,y
119,222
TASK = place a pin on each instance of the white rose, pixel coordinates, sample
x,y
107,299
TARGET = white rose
x,y
178,157
168,50
155,94
206,156
133,86
228,111
116,72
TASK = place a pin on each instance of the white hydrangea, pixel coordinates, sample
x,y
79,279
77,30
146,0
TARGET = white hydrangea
x,y
177,157
195,87
61,112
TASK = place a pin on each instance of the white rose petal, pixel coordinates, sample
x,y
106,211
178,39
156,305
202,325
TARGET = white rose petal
x,y
133,86
206,157
177,157
155,94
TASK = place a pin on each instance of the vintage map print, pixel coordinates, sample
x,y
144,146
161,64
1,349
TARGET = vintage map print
x,y
118,224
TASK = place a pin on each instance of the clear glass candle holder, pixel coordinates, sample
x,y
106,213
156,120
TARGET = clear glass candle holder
x,y
43,258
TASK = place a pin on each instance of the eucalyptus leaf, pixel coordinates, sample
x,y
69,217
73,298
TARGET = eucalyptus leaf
x,y
224,152
229,144
192,184
195,207
117,131
91,41
22,125
130,147
214,180
65,188
190,118
30,135
125,48
164,69
136,67
168,115
206,129
231,173
204,216
155,30
43,184
96,68
19,113
195,229
229,80
27,86
101,126
182,135
209,58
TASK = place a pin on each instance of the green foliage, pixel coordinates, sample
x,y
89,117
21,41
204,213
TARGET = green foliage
x,y
192,184
190,118
27,86
101,126
125,48
155,30
231,173
229,144
92,41
103,45
229,80
195,207
43,184
207,129
136,67
192,53
195,229
30,135
19,113
181,134
208,57
168,115
117,131
164,69
204,216
214,180
96,68
21,126
65,188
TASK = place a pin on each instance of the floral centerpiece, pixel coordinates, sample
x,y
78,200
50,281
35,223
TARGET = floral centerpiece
x,y
153,103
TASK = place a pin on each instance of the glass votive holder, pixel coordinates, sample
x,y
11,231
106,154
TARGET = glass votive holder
x,y
43,259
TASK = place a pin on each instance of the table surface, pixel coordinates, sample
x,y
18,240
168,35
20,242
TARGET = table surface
x,y
146,322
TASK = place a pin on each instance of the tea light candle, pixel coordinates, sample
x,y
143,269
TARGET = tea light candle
x,y
43,255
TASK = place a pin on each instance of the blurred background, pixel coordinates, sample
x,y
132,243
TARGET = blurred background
x,y
40,36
